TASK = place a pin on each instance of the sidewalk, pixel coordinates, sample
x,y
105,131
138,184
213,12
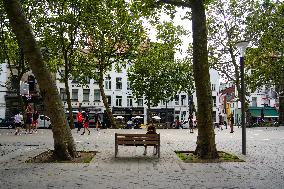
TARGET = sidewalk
x,y
264,166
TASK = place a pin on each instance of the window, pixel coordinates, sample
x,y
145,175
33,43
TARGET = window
x,y
129,101
183,101
183,115
214,101
108,82
177,100
75,94
254,101
118,83
86,94
108,100
140,102
63,94
118,101
213,87
97,95
128,85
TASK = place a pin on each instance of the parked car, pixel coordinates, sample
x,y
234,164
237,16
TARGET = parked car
x,y
7,123
74,118
185,125
44,122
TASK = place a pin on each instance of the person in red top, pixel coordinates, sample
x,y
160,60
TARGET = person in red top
x,y
79,118
86,122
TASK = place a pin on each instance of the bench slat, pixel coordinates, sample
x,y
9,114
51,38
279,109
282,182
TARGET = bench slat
x,y
137,142
136,135
137,139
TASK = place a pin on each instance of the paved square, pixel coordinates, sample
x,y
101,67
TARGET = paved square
x,y
264,166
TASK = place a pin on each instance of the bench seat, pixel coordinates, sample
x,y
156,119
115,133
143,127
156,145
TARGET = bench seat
x,y
137,140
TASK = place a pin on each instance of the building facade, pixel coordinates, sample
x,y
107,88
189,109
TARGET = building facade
x,y
118,93
123,103
263,98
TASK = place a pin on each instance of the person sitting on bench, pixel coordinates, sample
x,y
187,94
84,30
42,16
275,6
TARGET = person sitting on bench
x,y
150,130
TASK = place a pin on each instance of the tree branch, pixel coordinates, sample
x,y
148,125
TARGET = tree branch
x,y
180,3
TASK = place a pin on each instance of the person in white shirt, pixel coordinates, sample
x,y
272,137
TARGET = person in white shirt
x,y
18,122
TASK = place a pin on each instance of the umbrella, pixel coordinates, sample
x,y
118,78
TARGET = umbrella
x,y
119,117
156,117
138,117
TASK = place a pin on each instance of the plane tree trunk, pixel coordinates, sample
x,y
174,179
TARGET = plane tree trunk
x,y
64,146
206,147
104,98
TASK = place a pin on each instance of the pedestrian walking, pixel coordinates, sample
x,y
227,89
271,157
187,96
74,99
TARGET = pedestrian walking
x,y
177,123
97,121
86,122
29,118
129,124
225,124
79,118
232,122
35,120
18,122
190,123
221,119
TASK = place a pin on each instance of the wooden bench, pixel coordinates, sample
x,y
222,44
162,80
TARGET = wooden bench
x,y
137,140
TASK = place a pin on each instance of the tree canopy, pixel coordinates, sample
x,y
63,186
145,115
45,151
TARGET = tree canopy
x,y
154,73
226,27
266,60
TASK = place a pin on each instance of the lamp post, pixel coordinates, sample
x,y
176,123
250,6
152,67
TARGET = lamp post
x,y
242,45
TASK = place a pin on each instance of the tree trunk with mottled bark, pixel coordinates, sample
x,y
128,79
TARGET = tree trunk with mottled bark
x,y
206,147
64,146
102,91
281,101
68,96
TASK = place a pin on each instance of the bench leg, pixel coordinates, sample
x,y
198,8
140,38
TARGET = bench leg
x,y
115,152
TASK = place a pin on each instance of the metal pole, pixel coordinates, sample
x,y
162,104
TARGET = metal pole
x,y
243,106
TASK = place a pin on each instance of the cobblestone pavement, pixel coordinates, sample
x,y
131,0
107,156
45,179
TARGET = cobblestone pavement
x,y
264,166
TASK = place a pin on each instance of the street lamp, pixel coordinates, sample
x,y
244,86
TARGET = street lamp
x,y
242,45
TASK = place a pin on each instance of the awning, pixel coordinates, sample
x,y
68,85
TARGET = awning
x,y
268,111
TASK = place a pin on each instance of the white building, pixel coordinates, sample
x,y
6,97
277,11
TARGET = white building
x,y
264,96
122,102
3,89
120,97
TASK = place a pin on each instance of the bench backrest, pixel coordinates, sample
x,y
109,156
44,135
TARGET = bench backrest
x,y
137,139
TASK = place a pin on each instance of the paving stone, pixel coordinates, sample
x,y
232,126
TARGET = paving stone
x,y
264,166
